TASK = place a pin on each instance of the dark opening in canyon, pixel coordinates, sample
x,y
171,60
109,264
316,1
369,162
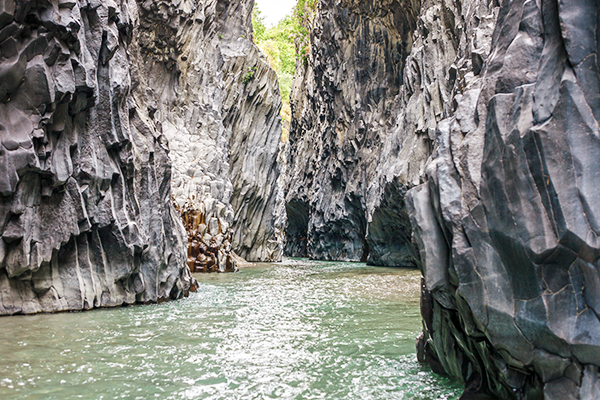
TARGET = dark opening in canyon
x,y
389,238
296,233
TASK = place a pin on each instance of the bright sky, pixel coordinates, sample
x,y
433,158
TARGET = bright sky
x,y
274,10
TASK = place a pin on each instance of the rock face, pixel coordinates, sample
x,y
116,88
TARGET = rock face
x,y
507,222
379,77
344,104
86,216
484,134
218,103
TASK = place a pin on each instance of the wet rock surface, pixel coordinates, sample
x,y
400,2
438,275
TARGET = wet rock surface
x,y
218,103
86,216
506,224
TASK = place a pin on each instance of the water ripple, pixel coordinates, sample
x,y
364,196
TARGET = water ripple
x,y
300,330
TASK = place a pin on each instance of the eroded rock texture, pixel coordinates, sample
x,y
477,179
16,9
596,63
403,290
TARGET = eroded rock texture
x,y
85,204
492,113
345,102
209,249
379,77
507,222
218,103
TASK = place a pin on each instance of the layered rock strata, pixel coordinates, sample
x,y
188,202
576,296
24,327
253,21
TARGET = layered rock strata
x,y
86,216
506,223
218,103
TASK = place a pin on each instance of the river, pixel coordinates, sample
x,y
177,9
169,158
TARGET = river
x,y
297,330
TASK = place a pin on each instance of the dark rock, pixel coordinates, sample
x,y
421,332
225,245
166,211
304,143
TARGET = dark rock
x,y
509,198
389,238
7,12
493,115
344,103
86,219
297,229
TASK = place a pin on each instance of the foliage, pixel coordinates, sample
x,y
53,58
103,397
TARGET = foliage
x,y
285,85
285,42
249,75
303,14
258,25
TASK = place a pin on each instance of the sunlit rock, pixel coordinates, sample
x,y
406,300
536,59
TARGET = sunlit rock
x,y
85,207
218,103
506,224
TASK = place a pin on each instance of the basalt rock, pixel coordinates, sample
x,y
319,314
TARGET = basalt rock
x,y
345,103
486,139
86,216
218,102
507,222
378,79
209,247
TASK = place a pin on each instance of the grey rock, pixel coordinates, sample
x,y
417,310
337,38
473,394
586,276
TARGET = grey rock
x,y
86,218
389,232
562,389
213,226
223,131
590,386
510,184
484,135
344,104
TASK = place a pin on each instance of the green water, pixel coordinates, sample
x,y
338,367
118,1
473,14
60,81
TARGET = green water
x,y
300,330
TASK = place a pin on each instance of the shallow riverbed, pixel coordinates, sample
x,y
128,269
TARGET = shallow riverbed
x,y
297,330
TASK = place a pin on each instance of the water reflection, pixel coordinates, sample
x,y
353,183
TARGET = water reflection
x,y
302,330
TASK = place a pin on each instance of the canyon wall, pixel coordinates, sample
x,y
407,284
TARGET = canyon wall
x,y
218,103
344,103
507,221
98,99
86,215
378,78
482,135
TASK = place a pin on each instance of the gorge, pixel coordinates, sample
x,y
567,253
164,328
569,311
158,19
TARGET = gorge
x,y
454,136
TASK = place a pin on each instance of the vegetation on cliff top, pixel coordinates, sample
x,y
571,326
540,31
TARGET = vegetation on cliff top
x,y
283,44
277,43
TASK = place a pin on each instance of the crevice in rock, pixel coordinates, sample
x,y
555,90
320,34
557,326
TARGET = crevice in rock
x,y
389,233
296,232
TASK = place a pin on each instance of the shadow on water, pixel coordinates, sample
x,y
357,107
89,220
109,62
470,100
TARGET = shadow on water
x,y
297,330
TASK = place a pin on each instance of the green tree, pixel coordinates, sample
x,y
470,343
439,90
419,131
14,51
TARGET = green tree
x,y
279,43
258,24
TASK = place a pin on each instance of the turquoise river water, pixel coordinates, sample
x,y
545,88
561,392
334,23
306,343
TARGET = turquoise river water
x,y
296,330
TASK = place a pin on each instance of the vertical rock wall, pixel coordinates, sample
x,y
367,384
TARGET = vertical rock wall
x,y
218,103
379,78
344,104
488,145
86,216
506,223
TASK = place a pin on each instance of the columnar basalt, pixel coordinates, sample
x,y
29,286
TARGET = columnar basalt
x,y
86,216
493,136
379,77
344,104
507,221
209,247
218,104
